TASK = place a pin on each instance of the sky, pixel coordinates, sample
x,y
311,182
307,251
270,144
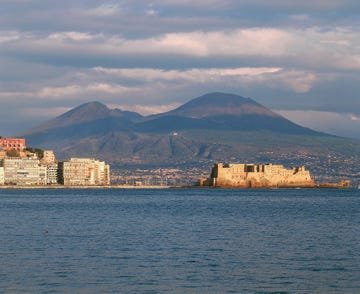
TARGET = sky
x,y
299,58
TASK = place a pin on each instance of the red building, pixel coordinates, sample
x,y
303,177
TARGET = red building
x,y
12,144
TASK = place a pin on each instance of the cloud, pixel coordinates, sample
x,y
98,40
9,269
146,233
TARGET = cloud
x,y
203,4
354,117
283,4
296,81
337,48
340,124
147,86
9,36
306,4
73,36
194,75
104,10
132,18
73,90
146,109
125,80
50,92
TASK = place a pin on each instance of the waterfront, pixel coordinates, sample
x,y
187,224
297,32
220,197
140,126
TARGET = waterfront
x,y
179,241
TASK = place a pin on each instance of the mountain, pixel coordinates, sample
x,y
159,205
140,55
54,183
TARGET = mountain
x,y
213,127
221,111
86,113
85,121
219,104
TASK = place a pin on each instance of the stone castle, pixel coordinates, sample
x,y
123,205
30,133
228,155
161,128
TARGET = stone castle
x,y
257,176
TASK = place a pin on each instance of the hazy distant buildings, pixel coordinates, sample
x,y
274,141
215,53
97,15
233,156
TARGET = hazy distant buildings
x,y
84,171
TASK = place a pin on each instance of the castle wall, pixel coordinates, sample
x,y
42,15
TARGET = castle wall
x,y
258,176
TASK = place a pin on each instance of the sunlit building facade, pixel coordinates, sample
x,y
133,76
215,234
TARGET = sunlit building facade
x,y
2,179
24,171
50,162
83,172
17,144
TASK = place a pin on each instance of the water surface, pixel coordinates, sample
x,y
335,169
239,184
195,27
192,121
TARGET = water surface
x,y
179,241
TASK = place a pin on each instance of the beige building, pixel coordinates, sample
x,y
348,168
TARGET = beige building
x,y
2,179
50,162
84,171
24,171
258,176
48,157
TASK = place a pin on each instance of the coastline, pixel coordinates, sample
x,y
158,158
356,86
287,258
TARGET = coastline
x,y
84,187
24,187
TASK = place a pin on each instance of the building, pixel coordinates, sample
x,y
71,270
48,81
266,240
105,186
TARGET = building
x,y
51,173
83,172
50,162
17,144
257,176
2,179
24,171
48,157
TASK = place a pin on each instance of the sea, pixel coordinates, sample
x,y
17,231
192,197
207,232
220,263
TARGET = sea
x,y
179,241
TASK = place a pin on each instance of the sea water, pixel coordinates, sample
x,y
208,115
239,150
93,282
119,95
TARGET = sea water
x,y
179,241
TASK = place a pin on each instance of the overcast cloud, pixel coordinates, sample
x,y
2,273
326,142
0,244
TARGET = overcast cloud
x,y
300,58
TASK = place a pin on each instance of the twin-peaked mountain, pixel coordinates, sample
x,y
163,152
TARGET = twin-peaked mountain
x,y
215,126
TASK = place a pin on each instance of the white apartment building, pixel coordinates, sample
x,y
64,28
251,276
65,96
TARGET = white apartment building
x,y
24,171
84,171
52,173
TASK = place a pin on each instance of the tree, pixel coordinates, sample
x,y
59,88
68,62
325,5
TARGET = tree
x,y
13,153
39,152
